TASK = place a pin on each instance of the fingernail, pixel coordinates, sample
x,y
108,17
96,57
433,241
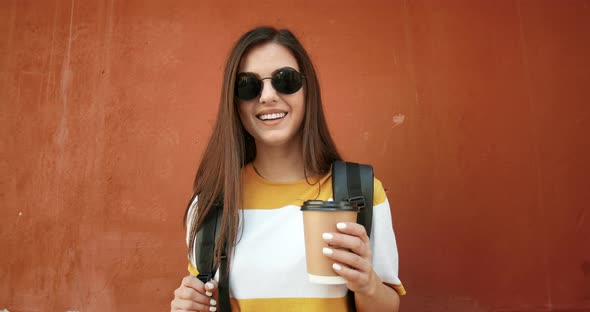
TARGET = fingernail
x,y
213,309
209,285
327,251
341,226
208,293
327,236
336,267
212,302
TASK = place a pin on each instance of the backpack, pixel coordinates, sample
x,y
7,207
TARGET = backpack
x,y
351,182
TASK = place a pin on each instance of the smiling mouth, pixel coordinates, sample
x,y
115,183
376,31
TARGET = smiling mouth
x,y
273,116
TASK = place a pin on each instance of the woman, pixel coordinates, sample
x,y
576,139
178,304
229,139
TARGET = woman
x,y
270,150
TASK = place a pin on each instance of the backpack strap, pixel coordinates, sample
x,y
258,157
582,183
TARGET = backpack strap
x,y
205,242
353,182
223,294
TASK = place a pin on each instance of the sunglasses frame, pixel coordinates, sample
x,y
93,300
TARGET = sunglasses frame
x,y
260,84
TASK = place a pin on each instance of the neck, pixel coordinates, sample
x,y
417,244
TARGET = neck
x,y
280,163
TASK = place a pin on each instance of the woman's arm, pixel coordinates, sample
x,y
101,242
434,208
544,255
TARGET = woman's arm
x,y
382,298
353,260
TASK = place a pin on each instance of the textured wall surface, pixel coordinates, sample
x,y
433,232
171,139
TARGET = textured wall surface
x,y
474,113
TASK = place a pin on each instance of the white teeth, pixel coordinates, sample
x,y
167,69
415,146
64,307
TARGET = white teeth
x,y
272,116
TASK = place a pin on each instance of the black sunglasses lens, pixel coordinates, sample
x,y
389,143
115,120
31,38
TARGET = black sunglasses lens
x,y
247,87
287,81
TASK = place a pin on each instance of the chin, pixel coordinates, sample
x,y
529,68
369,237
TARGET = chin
x,y
276,140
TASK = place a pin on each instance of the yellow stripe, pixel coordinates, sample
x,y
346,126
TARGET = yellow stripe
x,y
398,288
192,270
291,305
378,193
264,194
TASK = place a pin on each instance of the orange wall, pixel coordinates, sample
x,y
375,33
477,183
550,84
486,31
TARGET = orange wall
x,y
474,113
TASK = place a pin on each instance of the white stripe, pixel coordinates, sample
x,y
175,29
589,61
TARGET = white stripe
x,y
269,259
385,256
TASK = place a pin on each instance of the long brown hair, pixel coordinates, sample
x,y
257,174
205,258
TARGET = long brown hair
x,y
231,147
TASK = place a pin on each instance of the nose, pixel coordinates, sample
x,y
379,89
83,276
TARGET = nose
x,y
268,93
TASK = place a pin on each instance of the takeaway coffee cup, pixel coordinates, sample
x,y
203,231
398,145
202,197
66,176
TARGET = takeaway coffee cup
x,y
320,217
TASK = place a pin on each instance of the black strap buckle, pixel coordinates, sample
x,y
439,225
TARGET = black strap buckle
x,y
360,201
205,277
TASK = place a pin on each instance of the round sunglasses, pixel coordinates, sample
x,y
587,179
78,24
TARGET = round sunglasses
x,y
284,80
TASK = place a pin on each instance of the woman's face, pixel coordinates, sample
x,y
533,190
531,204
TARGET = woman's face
x,y
273,118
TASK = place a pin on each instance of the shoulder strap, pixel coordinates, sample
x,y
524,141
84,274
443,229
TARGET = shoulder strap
x,y
205,242
354,183
223,294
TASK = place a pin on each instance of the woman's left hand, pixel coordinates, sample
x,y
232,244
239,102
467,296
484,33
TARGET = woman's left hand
x,y
352,256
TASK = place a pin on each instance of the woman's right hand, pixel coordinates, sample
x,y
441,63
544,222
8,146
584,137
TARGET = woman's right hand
x,y
194,295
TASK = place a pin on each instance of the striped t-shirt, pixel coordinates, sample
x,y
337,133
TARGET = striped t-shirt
x,y
268,269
